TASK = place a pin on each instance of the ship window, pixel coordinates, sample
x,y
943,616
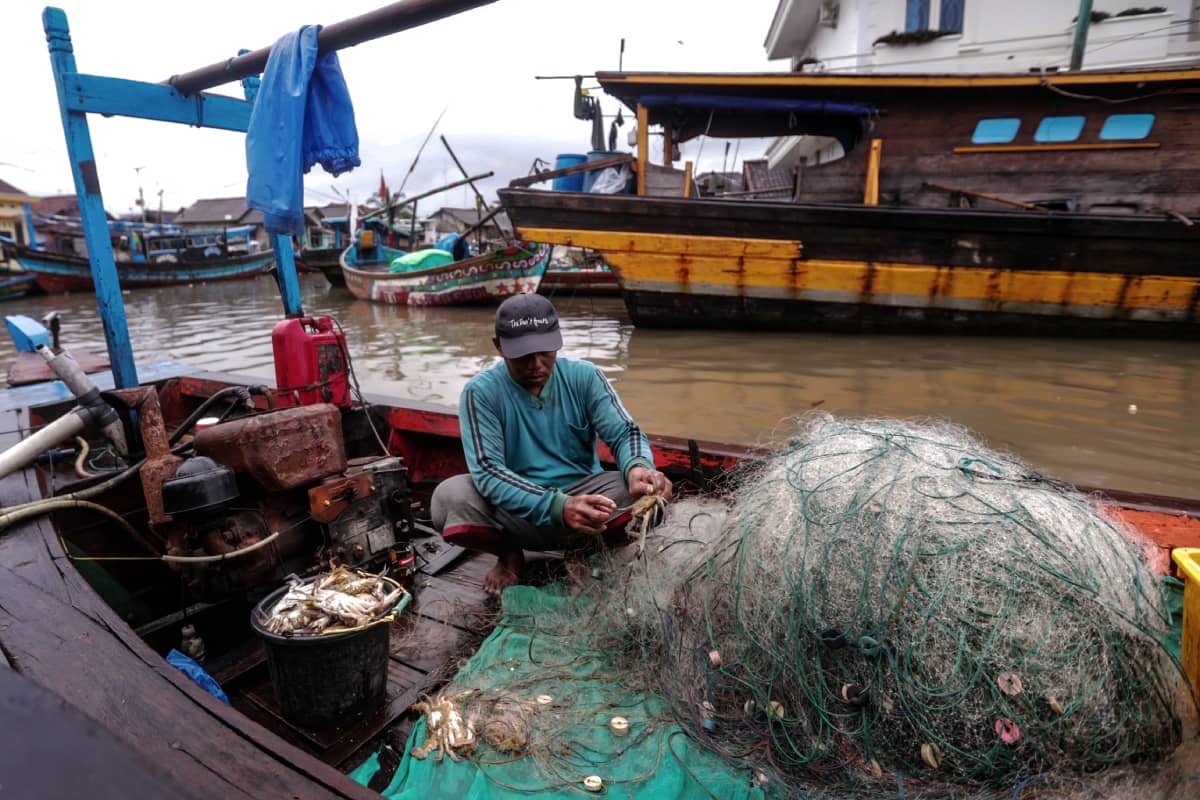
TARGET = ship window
x,y
950,20
1127,126
916,15
1058,129
996,131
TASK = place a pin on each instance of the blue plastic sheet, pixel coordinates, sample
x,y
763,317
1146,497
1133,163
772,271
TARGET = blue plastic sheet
x,y
302,116
189,667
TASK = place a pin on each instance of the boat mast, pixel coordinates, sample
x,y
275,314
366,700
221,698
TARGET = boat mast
x,y
1081,33
178,101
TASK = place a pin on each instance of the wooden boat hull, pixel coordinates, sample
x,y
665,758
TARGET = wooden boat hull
x,y
757,265
482,279
327,261
61,272
571,282
14,286
60,634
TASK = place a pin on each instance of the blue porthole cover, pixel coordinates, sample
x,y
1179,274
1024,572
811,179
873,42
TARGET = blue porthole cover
x,y
996,131
1127,126
1059,129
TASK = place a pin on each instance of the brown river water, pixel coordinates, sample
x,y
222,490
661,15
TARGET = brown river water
x,y
1116,413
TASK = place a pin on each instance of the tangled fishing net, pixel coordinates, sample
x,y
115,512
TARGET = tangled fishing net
x,y
879,604
896,598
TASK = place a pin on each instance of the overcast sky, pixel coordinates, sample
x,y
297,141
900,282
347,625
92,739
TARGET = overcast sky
x,y
479,66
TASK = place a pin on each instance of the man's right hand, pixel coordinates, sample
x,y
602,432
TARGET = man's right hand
x,y
588,512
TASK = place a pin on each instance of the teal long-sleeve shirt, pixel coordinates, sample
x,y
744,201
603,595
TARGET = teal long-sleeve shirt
x,y
523,450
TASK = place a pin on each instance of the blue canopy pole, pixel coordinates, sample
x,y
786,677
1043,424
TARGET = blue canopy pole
x,y
91,205
285,273
33,240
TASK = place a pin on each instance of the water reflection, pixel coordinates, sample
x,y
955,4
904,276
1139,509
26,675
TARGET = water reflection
x,y
1062,405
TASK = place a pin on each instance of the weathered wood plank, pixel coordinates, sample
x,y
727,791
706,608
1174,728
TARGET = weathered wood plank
x,y
81,652
41,733
20,550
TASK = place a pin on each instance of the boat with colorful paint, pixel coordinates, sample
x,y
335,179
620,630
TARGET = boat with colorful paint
x,y
160,258
1061,203
14,285
324,255
120,621
326,260
105,577
510,270
593,278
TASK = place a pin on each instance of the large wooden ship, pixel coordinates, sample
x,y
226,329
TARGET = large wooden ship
x,y
992,203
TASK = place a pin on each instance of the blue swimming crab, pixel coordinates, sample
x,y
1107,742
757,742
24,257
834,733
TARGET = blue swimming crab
x,y
447,731
644,514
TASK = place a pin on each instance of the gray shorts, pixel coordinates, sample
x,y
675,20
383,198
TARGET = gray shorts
x,y
457,507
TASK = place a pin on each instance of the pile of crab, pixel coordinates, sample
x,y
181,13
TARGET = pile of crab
x,y
339,600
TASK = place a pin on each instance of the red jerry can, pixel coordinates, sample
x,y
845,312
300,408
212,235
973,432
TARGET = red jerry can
x,y
310,362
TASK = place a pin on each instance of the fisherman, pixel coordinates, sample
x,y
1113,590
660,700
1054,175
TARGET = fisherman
x,y
529,428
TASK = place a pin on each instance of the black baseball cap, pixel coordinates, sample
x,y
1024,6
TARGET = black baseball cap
x,y
527,323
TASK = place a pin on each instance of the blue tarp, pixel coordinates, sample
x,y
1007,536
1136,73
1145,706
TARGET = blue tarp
x,y
189,667
302,116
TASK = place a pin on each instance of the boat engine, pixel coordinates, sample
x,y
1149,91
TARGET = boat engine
x,y
273,494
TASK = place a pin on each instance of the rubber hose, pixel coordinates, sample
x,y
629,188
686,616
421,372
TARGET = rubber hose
x,y
32,510
82,458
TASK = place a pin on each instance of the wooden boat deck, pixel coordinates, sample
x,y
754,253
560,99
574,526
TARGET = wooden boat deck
x,y
57,633
60,640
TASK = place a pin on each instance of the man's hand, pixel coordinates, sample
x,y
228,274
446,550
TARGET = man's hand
x,y
644,481
588,512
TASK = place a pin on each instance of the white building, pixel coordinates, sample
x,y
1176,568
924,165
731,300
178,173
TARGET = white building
x,y
956,36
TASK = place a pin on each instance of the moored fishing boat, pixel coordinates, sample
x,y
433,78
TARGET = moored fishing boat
x,y
151,259
53,580
985,203
593,279
280,480
515,269
61,272
326,260
14,285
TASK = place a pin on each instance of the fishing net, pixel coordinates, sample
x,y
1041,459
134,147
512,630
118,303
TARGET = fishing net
x,y
879,609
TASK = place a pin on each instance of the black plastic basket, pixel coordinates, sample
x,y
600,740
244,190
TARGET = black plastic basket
x,y
326,679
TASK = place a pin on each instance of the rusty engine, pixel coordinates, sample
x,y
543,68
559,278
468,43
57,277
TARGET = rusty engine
x,y
267,495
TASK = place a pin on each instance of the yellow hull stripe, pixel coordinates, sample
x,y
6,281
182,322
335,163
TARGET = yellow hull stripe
x,y
1054,148
777,268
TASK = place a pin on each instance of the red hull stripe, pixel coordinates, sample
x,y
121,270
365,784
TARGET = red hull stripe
x,y
454,530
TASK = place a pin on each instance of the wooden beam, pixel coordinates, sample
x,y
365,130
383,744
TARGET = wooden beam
x,y
390,19
687,179
668,145
604,163
815,80
984,196
676,245
871,188
1038,148
94,94
643,147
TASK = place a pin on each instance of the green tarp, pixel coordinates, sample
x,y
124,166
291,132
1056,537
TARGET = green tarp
x,y
419,260
529,654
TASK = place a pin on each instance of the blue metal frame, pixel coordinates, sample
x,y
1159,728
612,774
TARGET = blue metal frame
x,y
32,239
80,95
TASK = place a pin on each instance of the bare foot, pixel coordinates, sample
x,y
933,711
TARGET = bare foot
x,y
507,572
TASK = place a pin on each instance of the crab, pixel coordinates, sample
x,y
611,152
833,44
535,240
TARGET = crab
x,y
447,731
642,516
